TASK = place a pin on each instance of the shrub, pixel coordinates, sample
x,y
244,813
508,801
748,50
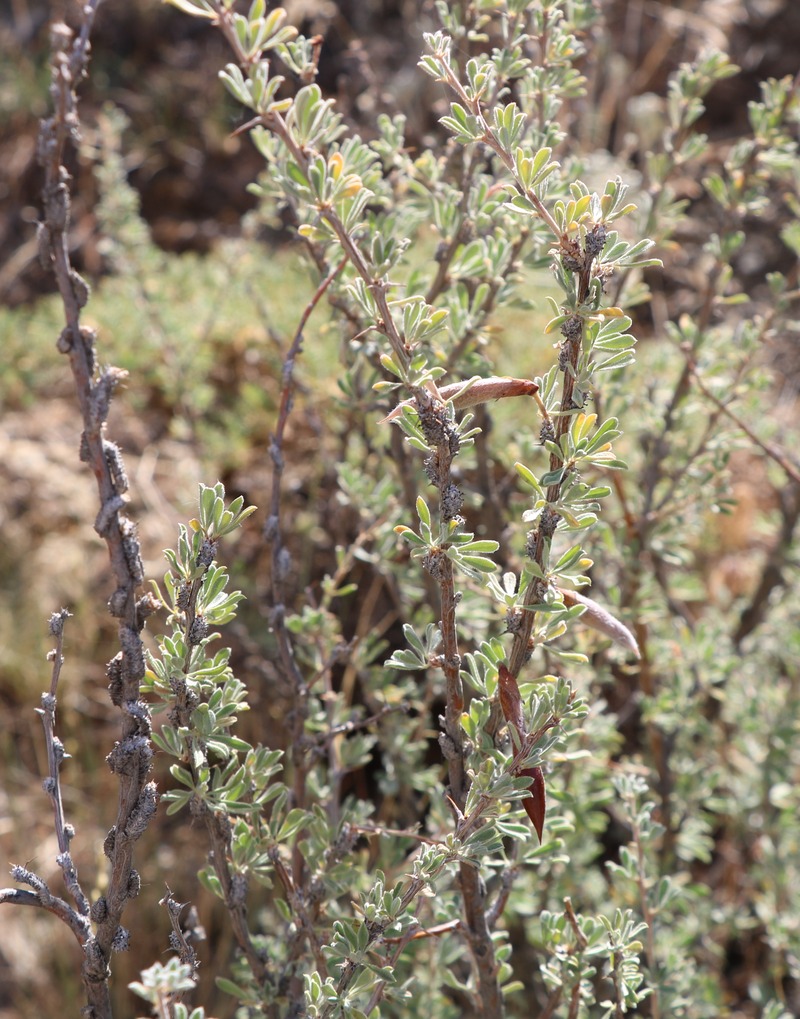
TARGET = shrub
x,y
483,789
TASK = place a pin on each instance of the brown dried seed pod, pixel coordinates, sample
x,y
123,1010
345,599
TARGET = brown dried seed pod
x,y
475,391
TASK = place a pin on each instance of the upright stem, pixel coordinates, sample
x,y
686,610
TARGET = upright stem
x,y
130,759
473,890
539,540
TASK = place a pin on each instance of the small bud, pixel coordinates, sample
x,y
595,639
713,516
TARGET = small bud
x,y
239,889
139,711
448,747
198,631
89,340
44,246
147,605
130,756
143,812
571,255
80,288
549,522
452,501
513,621
431,467
56,207
106,515
103,390
572,328
57,621
532,544
116,467
65,341
596,240
432,562
116,689
60,36
131,550
99,910
433,421
284,564
207,553
133,654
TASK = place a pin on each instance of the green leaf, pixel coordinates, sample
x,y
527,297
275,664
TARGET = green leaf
x,y
196,8
553,477
295,820
235,990
529,478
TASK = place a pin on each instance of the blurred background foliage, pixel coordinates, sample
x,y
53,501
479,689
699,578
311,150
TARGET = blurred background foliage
x,y
195,293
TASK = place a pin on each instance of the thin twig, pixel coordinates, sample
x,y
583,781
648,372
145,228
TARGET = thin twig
x,y
489,136
55,758
773,571
378,287
41,898
131,757
410,935
443,437
539,540
305,923
775,454
507,878
272,528
569,912
381,831
351,726
648,914
179,938
272,532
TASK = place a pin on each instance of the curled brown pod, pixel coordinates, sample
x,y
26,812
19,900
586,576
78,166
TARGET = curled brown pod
x,y
535,803
510,700
474,391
